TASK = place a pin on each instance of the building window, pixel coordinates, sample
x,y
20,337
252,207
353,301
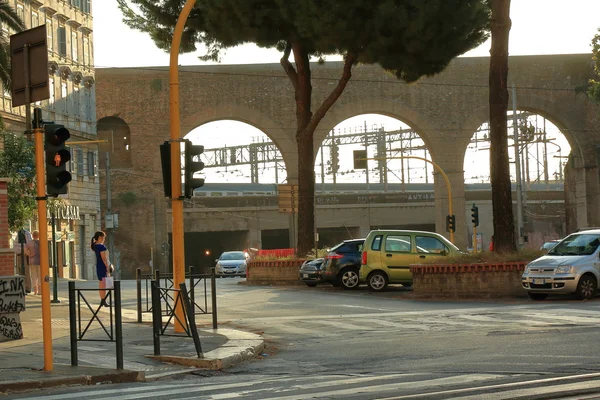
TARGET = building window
x,y
91,163
52,92
35,19
64,95
74,43
88,104
79,160
21,11
76,101
87,7
50,33
76,3
86,50
62,41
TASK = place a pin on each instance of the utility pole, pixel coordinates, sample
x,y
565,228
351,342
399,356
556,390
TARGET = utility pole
x,y
54,258
109,232
517,169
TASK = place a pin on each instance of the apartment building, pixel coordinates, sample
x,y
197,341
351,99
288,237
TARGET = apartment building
x,y
72,103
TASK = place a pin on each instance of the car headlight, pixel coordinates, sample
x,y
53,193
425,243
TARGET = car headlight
x,y
565,269
527,269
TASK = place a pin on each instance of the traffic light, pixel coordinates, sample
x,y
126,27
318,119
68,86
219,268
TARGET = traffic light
x,y
360,159
57,157
475,215
191,167
450,223
165,162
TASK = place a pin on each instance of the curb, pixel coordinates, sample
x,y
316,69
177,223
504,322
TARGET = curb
x,y
124,376
241,346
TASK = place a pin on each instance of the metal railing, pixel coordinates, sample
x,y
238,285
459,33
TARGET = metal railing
x,y
114,328
198,293
189,321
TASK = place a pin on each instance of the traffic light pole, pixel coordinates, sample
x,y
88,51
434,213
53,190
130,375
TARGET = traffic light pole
x,y
175,130
38,132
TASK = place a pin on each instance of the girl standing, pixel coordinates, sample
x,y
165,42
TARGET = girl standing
x,y
102,263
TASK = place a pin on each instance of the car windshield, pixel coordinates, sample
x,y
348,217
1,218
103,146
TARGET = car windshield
x,y
233,255
577,245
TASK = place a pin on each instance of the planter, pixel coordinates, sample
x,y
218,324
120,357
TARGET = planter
x,y
272,271
468,280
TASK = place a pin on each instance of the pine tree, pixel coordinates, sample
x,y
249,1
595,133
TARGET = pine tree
x,y
408,38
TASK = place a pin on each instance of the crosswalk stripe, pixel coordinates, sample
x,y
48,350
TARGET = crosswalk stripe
x,y
393,386
525,393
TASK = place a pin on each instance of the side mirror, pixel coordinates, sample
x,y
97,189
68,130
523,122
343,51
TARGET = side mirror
x,y
444,253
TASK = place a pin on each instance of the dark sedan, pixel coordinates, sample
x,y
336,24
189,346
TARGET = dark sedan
x,y
342,264
310,272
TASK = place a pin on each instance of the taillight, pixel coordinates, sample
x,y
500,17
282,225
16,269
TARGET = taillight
x,y
363,259
334,256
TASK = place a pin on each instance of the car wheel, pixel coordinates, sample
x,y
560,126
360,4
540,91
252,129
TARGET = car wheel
x,y
586,288
537,296
377,281
311,284
349,278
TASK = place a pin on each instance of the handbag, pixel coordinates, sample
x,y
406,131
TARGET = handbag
x,y
109,282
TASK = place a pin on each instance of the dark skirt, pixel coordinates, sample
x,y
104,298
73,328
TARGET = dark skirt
x,y
101,272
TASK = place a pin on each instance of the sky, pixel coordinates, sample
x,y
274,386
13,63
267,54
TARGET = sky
x,y
538,27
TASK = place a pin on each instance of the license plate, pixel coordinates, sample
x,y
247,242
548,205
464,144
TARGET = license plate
x,y
305,275
539,281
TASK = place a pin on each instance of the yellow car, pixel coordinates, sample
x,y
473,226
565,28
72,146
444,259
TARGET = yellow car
x,y
388,254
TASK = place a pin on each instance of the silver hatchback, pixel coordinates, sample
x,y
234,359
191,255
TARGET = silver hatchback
x,y
571,266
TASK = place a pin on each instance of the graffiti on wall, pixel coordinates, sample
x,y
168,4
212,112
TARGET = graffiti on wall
x,y
12,302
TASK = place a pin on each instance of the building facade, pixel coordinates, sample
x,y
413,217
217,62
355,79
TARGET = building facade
x,y
69,27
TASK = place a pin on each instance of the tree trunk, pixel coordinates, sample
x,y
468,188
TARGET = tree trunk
x,y
504,226
304,141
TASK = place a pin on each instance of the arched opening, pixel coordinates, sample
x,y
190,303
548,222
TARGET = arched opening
x,y
538,153
236,152
118,145
395,151
543,152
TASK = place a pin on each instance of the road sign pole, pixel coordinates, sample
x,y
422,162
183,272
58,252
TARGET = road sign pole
x,y
175,128
38,132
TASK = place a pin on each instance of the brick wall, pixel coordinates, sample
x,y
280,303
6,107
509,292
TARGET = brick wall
x,y
469,280
273,271
6,253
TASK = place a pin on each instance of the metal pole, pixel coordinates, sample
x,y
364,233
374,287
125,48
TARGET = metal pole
x,y
213,295
517,169
156,316
109,232
138,285
38,132
191,317
73,324
192,289
54,262
119,324
175,129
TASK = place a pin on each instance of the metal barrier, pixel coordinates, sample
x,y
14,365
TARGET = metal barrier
x,y
77,334
189,321
196,283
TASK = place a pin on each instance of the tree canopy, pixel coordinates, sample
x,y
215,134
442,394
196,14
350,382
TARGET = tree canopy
x,y
18,163
9,18
594,89
408,38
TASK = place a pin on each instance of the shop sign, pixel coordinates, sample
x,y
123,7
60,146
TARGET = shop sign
x,y
65,212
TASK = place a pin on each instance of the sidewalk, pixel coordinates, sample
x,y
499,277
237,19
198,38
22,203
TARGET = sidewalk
x,y
23,362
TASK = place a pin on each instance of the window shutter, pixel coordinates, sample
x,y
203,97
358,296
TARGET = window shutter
x,y
91,163
79,162
62,41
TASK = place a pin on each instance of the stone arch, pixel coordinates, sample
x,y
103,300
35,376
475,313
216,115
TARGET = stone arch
x,y
236,112
392,109
118,134
533,103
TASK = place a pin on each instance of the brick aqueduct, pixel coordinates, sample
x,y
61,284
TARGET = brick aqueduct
x,y
445,110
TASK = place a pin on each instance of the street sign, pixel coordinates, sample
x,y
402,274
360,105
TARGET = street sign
x,y
287,196
29,66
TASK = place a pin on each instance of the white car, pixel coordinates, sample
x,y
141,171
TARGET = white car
x,y
571,266
231,263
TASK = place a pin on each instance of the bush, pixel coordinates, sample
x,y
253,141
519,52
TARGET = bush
x,y
488,257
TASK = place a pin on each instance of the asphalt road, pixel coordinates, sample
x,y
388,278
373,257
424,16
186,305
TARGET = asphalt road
x,y
325,342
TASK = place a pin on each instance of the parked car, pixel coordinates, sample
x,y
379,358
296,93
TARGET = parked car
x,y
310,272
549,245
571,266
231,263
342,264
388,254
